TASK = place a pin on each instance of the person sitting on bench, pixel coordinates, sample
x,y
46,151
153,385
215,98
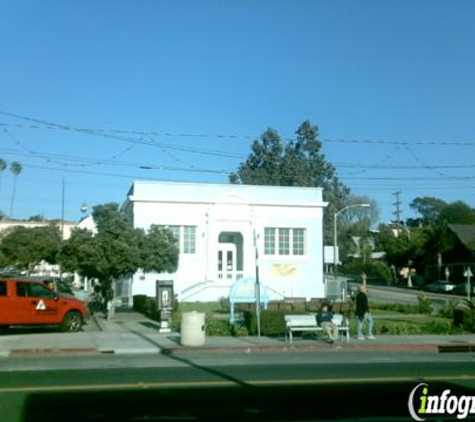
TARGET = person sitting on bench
x,y
324,320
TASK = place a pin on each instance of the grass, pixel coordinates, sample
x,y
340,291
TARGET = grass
x,y
207,307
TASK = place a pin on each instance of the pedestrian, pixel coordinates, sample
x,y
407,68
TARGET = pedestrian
x,y
324,320
363,314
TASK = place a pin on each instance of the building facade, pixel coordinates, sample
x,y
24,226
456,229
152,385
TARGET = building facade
x,y
224,231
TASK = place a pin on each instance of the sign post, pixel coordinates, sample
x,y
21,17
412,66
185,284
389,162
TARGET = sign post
x,y
468,274
258,288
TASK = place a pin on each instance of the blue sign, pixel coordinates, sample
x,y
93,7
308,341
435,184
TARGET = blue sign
x,y
244,291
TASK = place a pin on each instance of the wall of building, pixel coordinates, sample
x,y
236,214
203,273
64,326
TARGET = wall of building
x,y
214,209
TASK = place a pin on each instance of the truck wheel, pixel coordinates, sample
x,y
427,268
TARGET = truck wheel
x,y
72,322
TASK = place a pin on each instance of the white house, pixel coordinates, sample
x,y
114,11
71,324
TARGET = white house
x,y
219,228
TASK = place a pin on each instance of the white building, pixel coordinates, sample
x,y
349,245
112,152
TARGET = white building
x,y
219,227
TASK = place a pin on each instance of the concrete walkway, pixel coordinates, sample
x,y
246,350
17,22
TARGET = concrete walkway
x,y
133,333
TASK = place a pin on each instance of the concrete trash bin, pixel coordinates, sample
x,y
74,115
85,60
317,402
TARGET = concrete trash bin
x,y
193,329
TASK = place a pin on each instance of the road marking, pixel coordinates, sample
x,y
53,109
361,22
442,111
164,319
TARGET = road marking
x,y
224,383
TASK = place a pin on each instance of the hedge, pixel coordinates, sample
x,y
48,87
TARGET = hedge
x,y
272,322
465,318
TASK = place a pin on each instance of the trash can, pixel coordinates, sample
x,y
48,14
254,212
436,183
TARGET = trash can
x,y
193,329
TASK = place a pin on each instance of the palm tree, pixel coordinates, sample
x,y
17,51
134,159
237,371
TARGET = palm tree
x,y
3,167
16,169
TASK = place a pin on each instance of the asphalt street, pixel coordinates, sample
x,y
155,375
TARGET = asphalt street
x,y
32,388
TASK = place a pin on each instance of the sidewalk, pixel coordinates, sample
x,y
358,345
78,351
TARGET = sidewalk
x,y
133,333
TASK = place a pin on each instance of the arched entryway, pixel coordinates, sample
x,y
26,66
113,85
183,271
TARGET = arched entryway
x,y
230,256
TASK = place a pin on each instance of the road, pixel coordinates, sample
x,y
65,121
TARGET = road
x,y
198,386
407,296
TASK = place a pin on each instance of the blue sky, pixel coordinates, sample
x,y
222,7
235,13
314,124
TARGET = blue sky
x,y
390,85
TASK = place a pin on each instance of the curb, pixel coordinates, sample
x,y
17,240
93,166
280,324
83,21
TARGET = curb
x,y
96,321
305,348
52,352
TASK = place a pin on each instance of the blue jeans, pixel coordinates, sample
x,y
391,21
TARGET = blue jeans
x,y
369,319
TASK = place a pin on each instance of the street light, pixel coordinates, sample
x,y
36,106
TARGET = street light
x,y
335,234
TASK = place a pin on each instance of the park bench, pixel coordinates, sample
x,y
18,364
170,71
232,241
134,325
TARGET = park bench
x,y
308,322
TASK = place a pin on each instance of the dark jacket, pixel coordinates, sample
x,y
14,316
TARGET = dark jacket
x,y
324,317
361,305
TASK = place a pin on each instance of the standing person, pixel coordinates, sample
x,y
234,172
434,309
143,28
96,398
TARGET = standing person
x,y
324,320
363,314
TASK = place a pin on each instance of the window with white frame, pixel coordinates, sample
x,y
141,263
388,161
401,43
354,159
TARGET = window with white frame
x,y
185,236
176,233
284,241
298,241
189,244
269,241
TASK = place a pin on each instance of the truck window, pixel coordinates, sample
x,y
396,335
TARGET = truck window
x,y
38,290
21,289
3,288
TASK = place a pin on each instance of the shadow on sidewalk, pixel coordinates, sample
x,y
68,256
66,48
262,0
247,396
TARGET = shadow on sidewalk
x,y
170,354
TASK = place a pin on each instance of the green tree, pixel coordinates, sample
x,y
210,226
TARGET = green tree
x,y
117,249
158,250
456,213
27,247
428,207
36,217
434,237
16,168
396,244
299,163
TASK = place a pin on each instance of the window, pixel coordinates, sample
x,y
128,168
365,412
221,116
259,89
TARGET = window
x,y
284,241
189,245
298,241
287,241
185,236
269,241
38,290
3,288
21,289
176,233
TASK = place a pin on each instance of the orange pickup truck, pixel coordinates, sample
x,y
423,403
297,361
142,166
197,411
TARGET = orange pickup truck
x,y
27,302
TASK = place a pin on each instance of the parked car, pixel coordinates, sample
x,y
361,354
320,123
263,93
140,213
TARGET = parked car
x,y
461,289
30,302
440,286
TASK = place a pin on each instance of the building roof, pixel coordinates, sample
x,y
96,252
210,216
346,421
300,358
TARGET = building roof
x,y
466,234
225,193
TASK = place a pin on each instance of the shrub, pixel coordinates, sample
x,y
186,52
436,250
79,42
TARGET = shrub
x,y
468,320
272,322
238,330
218,327
464,316
375,270
396,307
139,303
448,310
440,327
425,304
146,306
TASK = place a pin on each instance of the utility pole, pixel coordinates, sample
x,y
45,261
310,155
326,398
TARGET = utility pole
x,y
62,208
63,189
397,204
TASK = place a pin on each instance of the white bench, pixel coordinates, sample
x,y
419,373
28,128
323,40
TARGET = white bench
x,y
308,322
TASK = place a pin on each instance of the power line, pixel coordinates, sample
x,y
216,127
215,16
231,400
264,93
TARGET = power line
x,y
103,132
83,161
